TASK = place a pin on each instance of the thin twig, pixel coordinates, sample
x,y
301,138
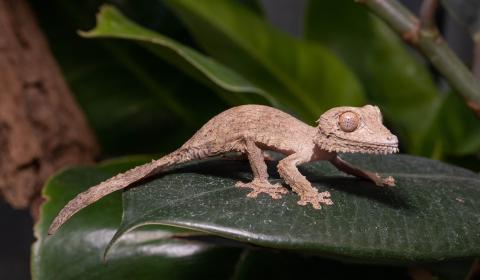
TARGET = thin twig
x,y
476,57
427,14
433,46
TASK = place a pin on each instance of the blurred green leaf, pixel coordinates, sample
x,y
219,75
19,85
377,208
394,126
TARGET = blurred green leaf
x,y
120,85
431,123
151,253
254,6
456,129
303,76
126,113
392,78
274,264
111,23
432,214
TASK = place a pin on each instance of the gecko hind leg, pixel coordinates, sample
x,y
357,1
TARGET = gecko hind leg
x,y
260,183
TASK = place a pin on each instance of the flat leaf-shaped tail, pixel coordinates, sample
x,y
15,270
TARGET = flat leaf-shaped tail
x,y
116,183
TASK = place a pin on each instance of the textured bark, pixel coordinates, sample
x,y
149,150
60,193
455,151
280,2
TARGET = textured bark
x,y
41,127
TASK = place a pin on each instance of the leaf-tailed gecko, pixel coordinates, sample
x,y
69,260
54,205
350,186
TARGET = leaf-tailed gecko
x,y
249,129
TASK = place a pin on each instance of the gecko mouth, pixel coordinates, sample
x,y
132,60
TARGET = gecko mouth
x,y
340,145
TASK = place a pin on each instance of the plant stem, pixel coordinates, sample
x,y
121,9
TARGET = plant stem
x,y
476,57
430,42
427,14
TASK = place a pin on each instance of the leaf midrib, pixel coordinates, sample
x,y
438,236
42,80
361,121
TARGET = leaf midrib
x,y
182,51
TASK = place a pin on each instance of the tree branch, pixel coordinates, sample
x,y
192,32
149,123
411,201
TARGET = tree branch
x,y
432,45
476,56
41,127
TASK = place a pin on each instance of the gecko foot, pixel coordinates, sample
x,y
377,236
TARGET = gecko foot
x,y
384,182
261,186
389,181
315,198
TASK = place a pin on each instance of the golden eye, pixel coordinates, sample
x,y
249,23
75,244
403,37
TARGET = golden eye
x,y
348,121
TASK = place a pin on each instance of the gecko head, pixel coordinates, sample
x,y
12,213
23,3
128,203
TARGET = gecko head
x,y
355,130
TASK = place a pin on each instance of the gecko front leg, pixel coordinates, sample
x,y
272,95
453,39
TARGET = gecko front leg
x,y
260,183
346,167
289,172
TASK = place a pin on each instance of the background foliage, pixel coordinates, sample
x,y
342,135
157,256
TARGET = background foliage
x,y
134,92
180,62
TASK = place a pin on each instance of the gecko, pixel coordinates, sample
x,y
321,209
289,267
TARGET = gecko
x,y
252,129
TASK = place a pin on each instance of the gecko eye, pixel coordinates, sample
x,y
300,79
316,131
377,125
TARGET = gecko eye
x,y
348,121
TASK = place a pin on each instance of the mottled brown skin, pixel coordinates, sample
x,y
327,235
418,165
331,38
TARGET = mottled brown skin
x,y
249,130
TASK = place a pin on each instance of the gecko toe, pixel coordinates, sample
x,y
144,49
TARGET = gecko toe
x,y
302,202
325,194
316,199
261,186
324,197
253,194
389,181
315,203
241,184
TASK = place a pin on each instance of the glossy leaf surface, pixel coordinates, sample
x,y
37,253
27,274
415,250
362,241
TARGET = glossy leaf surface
x,y
75,252
432,214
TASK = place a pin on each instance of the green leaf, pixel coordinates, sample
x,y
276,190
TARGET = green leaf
x,y
254,5
150,253
456,129
120,86
126,115
432,214
305,76
271,264
111,23
160,252
392,78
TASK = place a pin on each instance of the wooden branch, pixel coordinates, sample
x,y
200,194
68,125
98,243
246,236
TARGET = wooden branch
x,y
41,127
433,46
476,56
427,14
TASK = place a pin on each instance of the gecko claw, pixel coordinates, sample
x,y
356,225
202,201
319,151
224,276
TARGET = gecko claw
x,y
384,182
261,186
389,181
